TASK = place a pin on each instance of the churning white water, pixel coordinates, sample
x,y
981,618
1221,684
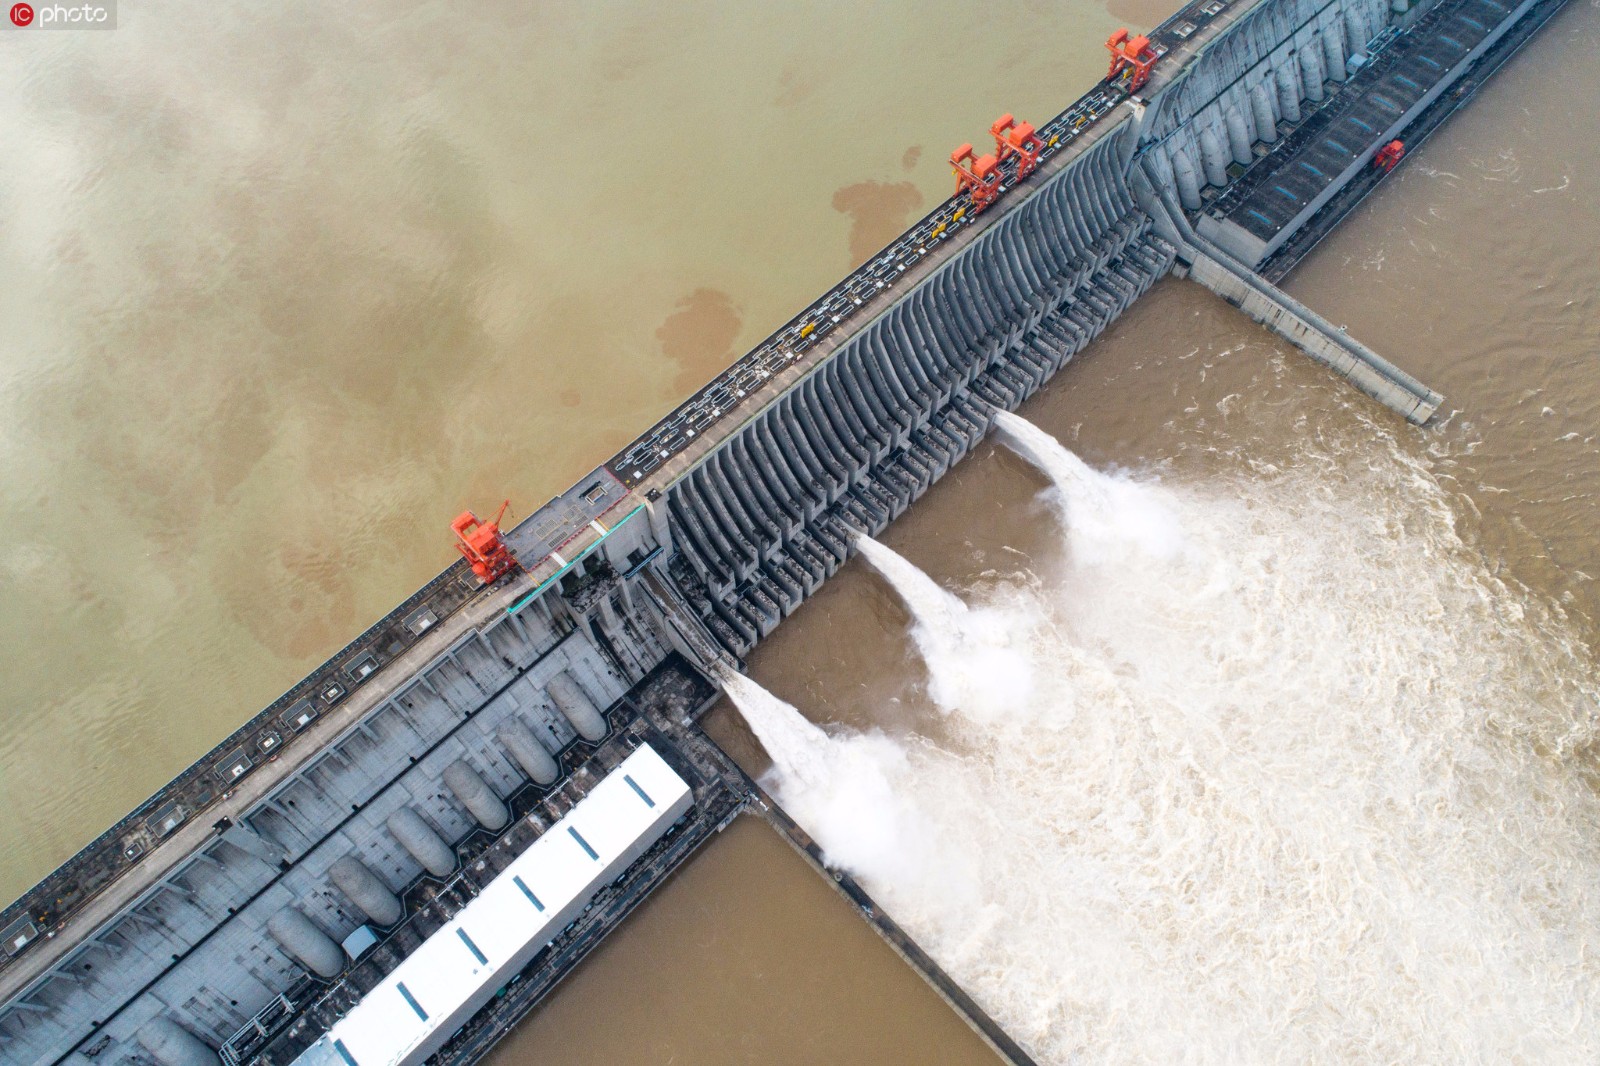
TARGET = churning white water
x,y
999,675
1296,780
1104,516
939,612
847,781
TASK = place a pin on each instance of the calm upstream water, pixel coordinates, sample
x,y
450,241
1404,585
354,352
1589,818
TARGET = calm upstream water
x,y
284,289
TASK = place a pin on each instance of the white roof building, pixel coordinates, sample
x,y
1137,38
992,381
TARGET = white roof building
x,y
449,978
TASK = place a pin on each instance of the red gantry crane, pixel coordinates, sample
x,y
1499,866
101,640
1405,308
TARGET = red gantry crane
x,y
1389,155
977,174
481,544
1013,138
1131,54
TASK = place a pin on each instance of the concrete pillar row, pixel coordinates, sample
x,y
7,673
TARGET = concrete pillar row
x,y
760,488
716,483
1311,68
1212,159
823,451
902,409
1188,181
688,539
780,477
756,520
306,942
794,446
876,412
741,554
1289,91
684,545
789,501
173,1045
718,553
1333,53
1266,117
476,796
1238,137
861,421
746,452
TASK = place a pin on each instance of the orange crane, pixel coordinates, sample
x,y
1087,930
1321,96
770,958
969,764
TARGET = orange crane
x,y
977,174
1013,138
1131,54
1389,155
481,544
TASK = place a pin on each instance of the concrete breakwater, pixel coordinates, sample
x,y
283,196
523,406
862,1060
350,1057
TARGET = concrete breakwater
x,y
468,727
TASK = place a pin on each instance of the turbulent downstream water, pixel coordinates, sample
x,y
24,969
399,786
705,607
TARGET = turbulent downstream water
x,y
1269,737
1279,773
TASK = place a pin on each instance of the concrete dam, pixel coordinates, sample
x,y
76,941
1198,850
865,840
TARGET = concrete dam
x,y
401,855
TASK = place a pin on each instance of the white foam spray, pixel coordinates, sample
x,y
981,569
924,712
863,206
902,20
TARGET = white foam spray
x,y
982,670
938,611
846,788
1318,788
1104,514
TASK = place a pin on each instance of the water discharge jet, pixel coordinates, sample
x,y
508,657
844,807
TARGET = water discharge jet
x,y
1108,518
1280,816
798,748
837,803
929,604
972,664
841,786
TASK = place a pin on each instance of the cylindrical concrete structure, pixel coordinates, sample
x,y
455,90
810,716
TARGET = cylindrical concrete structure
x,y
1311,70
476,795
1163,177
1333,54
1289,91
1212,159
1375,23
1238,137
524,747
352,877
1266,117
578,708
1355,28
418,838
300,937
173,1045
1188,181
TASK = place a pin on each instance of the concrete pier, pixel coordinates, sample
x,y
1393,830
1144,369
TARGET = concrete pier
x,y
1311,333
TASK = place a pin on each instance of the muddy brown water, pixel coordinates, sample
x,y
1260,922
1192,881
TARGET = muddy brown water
x,y
263,318
286,289
744,956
